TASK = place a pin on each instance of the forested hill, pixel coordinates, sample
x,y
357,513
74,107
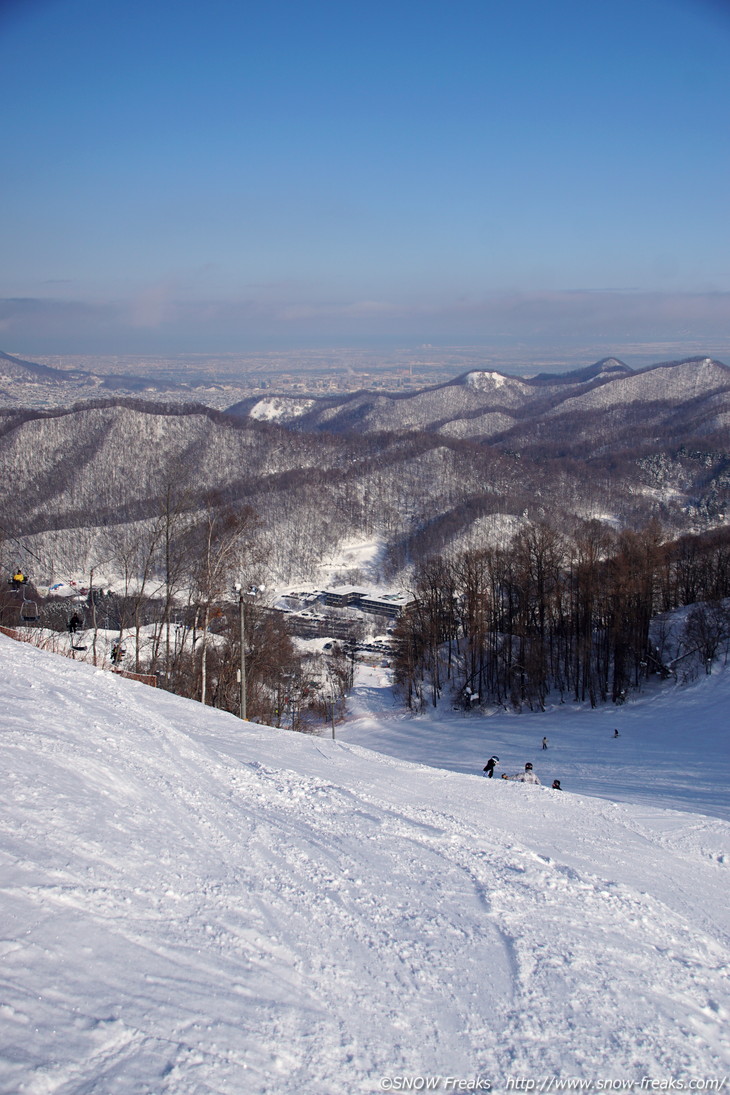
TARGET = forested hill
x,y
16,374
600,408
94,468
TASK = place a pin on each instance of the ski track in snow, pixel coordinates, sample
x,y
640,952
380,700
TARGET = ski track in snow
x,y
192,905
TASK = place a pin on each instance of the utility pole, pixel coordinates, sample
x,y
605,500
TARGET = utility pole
x,y
242,670
251,592
333,709
92,603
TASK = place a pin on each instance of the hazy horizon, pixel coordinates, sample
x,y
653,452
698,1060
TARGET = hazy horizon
x,y
423,364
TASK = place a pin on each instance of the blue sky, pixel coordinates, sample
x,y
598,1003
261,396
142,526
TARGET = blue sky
x,y
220,175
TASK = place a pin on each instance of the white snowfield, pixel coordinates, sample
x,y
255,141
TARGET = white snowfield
x,y
194,905
277,409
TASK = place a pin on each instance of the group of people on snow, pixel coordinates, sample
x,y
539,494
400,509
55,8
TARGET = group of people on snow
x,y
527,775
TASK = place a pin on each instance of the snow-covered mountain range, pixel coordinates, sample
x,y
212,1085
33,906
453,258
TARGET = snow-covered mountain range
x,y
193,904
421,472
492,405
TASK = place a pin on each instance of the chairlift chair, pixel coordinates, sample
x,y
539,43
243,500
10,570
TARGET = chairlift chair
x,y
29,610
80,626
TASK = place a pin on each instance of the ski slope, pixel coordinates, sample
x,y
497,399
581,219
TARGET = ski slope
x,y
672,749
194,905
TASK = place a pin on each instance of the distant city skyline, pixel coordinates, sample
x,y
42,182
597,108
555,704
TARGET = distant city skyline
x,y
220,177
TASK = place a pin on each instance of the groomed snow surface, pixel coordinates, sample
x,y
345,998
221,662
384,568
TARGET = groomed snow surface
x,y
194,905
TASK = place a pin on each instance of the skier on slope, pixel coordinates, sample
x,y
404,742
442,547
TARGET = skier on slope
x,y
528,776
490,766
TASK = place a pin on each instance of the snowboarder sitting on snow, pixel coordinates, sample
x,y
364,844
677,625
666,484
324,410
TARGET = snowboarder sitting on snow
x,y
490,766
528,776
556,785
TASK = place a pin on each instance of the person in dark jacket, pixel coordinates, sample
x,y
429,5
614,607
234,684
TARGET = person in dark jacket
x,y
490,766
118,653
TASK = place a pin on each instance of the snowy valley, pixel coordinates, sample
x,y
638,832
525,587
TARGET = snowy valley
x,y
195,904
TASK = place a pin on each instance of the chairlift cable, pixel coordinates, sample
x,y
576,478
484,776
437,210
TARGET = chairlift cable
x,y
17,541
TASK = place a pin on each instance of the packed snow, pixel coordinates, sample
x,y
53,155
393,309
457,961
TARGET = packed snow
x,y
196,905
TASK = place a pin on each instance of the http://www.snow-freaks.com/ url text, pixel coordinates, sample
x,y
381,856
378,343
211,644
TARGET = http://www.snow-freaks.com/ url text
x,y
548,1083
